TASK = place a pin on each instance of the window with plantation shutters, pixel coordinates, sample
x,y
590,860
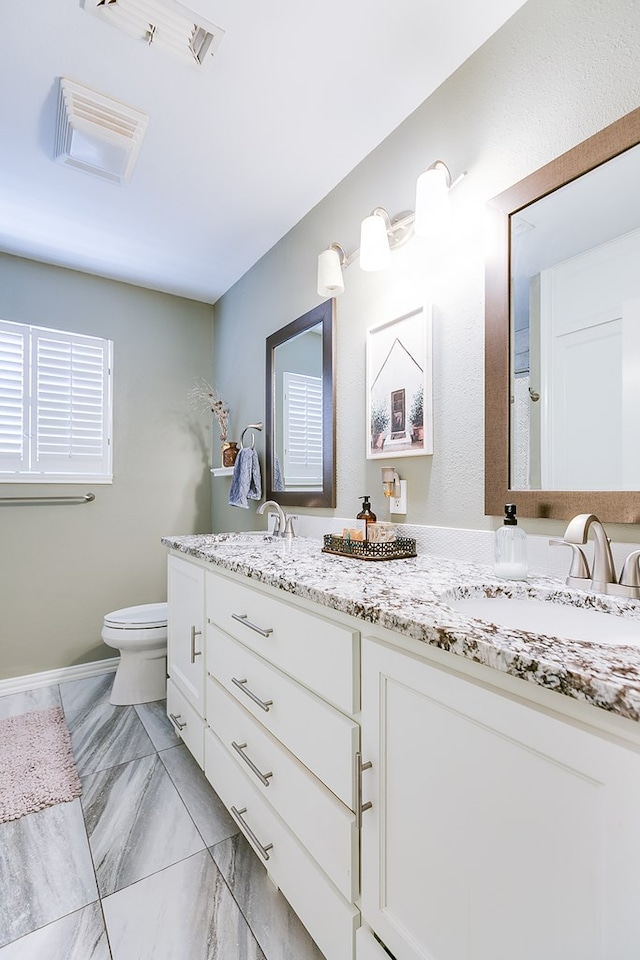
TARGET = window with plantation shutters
x,y
55,405
302,398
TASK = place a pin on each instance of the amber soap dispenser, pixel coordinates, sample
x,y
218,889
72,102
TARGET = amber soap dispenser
x,y
366,513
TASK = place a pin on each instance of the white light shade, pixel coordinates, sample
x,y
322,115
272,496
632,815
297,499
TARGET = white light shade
x,y
330,279
375,253
433,210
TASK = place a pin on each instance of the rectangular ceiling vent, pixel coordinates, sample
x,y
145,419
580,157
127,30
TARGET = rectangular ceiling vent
x,y
164,24
96,133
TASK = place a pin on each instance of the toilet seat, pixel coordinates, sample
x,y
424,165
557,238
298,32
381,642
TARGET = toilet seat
x,y
145,616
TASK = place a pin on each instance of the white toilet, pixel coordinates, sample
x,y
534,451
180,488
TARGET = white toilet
x,y
140,634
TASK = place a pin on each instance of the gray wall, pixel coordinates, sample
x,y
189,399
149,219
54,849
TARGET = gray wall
x,y
64,567
556,73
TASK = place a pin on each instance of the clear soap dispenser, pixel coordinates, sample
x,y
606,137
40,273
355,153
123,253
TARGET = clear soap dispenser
x,y
511,547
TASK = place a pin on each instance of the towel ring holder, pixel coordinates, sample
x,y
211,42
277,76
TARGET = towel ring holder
x,y
250,426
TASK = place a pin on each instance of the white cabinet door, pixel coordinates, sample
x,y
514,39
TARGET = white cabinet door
x,y
187,723
496,832
185,639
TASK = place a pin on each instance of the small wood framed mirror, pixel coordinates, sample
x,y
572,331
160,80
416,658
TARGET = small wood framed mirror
x,y
300,411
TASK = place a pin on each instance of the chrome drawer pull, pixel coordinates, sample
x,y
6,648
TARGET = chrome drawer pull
x,y
263,704
262,777
176,719
195,653
360,806
244,826
242,618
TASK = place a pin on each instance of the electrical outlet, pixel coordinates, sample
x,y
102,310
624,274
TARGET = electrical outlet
x,y
399,504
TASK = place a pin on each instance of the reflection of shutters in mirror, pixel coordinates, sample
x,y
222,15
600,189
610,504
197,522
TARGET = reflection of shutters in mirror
x,y
55,405
302,429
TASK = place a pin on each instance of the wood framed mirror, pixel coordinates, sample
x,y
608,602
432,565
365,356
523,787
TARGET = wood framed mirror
x,y
300,411
534,381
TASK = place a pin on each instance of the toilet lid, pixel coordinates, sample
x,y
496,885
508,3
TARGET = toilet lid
x,y
137,618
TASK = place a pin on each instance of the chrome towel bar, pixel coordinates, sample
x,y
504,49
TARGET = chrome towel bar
x,y
42,501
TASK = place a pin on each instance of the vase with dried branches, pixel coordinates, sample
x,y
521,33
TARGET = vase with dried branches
x,y
206,397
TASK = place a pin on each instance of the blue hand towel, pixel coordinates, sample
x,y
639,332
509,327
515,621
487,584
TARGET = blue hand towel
x,y
246,482
278,482
255,488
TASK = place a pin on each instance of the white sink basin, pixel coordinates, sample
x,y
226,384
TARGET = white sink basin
x,y
552,619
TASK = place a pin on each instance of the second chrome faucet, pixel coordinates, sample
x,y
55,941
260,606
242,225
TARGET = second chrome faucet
x,y
602,578
284,523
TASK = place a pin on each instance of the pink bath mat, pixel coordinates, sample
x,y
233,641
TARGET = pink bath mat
x,y
36,764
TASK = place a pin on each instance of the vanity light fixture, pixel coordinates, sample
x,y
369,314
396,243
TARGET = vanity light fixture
x,y
433,210
330,265
380,234
375,252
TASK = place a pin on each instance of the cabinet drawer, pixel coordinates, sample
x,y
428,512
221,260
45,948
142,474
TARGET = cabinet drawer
x,y
328,917
320,821
322,738
322,654
186,722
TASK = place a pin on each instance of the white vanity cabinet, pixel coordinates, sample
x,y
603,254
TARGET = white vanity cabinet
x,y
498,831
500,821
281,746
185,646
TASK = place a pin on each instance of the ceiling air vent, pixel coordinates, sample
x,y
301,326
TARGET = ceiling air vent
x,y
164,24
96,133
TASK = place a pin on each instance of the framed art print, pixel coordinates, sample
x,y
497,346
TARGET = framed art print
x,y
399,387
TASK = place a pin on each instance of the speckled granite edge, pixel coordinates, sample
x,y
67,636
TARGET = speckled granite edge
x,y
410,597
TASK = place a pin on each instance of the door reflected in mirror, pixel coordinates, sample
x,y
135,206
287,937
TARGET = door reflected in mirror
x,y
300,436
575,334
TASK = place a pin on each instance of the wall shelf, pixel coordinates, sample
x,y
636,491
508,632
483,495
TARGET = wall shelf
x,y
222,471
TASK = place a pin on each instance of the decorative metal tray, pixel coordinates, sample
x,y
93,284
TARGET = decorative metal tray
x,y
397,549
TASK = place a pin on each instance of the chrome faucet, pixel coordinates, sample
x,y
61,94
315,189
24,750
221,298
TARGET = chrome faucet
x,y
284,525
604,571
602,578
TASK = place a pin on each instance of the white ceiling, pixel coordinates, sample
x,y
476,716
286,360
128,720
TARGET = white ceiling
x,y
237,152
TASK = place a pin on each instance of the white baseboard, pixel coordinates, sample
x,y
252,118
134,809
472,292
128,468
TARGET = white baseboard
x,y
49,677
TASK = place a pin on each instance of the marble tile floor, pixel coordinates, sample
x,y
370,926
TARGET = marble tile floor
x,y
146,864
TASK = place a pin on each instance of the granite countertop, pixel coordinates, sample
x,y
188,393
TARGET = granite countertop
x,y
410,597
